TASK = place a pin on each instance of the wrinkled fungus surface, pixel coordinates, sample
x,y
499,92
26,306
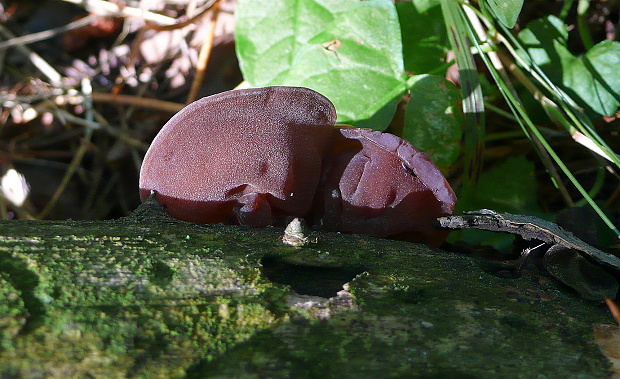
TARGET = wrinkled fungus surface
x,y
259,156
244,156
379,184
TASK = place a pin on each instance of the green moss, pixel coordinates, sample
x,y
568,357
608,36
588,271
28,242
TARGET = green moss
x,y
151,297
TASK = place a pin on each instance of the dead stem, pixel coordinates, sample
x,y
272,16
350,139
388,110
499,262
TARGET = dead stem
x,y
181,23
40,63
47,34
203,57
613,308
109,8
136,101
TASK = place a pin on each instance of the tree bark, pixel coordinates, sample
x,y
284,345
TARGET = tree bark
x,y
148,296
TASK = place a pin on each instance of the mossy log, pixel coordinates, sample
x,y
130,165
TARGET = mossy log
x,y
148,296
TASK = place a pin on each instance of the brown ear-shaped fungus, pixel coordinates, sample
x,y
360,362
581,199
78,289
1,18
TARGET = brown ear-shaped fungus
x,y
248,156
378,184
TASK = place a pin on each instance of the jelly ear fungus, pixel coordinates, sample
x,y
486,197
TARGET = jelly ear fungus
x,y
261,156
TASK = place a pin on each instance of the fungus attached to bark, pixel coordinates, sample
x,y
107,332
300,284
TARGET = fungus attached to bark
x,y
250,156
379,184
259,156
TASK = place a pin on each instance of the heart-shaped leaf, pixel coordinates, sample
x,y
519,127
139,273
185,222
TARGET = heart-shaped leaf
x,y
425,39
593,80
327,46
433,119
506,11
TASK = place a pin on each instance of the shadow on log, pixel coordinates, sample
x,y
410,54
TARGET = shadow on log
x,y
148,296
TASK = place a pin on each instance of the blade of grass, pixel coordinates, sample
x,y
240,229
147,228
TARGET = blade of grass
x,y
203,56
563,110
85,145
582,23
568,113
473,100
532,132
489,50
596,187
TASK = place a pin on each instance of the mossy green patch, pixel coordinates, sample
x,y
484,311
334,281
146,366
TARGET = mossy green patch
x,y
152,297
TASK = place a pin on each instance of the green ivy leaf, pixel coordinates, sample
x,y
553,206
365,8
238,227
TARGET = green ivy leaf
x,y
509,187
325,45
425,39
592,80
595,77
423,6
506,11
540,38
433,119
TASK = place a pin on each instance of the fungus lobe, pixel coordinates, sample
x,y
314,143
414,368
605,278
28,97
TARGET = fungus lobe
x,y
259,156
379,184
249,156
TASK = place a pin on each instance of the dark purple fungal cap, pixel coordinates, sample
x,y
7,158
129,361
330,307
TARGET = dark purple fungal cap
x,y
258,156
379,184
250,155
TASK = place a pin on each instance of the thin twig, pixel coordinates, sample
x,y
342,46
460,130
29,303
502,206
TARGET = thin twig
x,y
79,154
203,57
75,163
133,142
47,34
108,8
141,102
613,308
181,23
40,63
